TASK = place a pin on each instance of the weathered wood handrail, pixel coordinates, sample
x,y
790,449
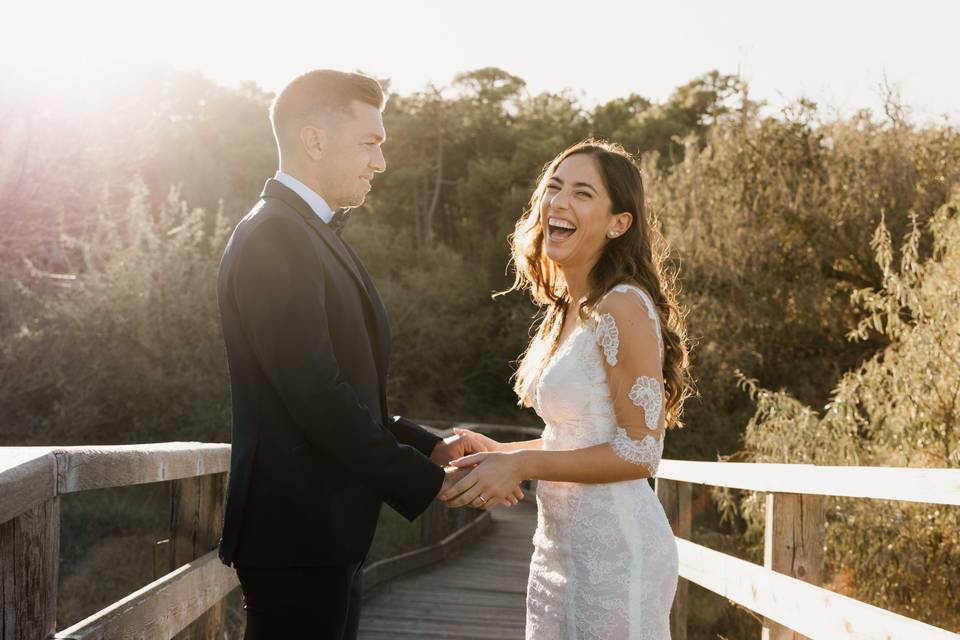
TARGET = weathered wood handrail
x,y
786,590
32,479
930,486
794,538
32,475
162,608
805,608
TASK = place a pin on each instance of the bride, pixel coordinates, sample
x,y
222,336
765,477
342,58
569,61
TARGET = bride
x,y
608,374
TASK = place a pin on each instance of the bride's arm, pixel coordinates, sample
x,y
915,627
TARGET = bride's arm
x,y
590,465
630,342
479,442
498,472
524,445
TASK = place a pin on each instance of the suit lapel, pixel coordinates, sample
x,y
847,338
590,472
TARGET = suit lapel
x,y
274,189
383,321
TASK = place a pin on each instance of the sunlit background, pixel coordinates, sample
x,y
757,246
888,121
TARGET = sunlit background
x,y
840,54
803,160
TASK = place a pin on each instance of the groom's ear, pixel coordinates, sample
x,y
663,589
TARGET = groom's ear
x,y
313,140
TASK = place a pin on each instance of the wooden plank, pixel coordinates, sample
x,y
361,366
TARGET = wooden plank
x,y
28,477
29,567
402,593
31,475
675,498
805,608
164,607
83,468
480,593
431,628
930,486
390,568
793,546
196,517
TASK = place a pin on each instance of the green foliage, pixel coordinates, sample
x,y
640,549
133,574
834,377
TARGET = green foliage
x,y
900,407
129,351
451,343
770,224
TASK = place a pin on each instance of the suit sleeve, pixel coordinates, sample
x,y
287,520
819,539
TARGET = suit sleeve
x,y
411,433
278,284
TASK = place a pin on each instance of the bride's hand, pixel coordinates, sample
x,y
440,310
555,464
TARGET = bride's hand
x,y
462,443
477,442
495,480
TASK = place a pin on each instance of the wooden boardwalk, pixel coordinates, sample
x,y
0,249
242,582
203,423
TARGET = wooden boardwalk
x,y
478,595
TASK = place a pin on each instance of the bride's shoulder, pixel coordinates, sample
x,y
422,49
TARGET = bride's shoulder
x,y
624,297
626,311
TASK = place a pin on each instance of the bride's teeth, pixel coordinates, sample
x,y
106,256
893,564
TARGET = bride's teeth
x,y
563,224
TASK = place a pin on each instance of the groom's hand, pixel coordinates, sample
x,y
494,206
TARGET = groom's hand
x,y
454,475
463,443
446,450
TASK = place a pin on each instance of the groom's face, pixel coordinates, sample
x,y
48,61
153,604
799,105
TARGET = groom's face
x,y
353,155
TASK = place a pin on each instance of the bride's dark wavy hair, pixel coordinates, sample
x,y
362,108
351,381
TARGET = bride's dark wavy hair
x,y
637,257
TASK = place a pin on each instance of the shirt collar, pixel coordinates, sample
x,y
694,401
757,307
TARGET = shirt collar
x,y
311,197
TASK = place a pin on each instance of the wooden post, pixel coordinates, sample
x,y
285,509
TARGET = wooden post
x,y
29,562
793,545
196,517
675,498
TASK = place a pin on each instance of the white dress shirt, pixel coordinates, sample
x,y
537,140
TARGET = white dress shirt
x,y
311,197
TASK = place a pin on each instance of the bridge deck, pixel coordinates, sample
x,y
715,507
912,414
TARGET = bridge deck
x,y
480,594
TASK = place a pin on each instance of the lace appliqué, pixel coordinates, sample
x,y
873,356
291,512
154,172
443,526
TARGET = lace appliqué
x,y
646,451
647,395
608,337
648,303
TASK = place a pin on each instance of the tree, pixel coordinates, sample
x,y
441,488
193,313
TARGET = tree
x,y
901,407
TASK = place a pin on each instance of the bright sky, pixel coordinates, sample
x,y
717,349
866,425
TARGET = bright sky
x,y
836,52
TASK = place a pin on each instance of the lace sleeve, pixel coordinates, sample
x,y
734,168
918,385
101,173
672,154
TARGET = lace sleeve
x,y
628,334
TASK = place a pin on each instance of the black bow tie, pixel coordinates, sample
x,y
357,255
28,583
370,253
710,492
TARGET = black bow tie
x,y
339,220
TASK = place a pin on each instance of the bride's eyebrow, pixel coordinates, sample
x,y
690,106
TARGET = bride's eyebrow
x,y
576,184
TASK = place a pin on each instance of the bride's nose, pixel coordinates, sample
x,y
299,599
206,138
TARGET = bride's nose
x,y
558,201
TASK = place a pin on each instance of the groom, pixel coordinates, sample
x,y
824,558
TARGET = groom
x,y
315,450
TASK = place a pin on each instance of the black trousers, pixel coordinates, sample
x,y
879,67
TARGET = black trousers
x,y
321,603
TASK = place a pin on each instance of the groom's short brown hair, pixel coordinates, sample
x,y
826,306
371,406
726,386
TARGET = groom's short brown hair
x,y
319,93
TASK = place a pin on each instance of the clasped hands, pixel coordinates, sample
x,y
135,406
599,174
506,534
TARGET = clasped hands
x,y
481,473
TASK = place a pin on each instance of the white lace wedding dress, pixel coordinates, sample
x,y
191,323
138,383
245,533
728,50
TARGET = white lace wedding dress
x,y
604,565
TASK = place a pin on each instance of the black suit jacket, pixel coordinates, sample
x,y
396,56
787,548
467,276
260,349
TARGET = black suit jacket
x,y
315,451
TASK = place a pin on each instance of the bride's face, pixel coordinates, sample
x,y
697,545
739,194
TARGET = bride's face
x,y
575,213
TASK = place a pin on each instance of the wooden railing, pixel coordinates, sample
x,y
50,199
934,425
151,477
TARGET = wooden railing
x,y
786,591
186,602
189,599
32,479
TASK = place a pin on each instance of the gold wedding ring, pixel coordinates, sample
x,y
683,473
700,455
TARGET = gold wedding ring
x,y
482,499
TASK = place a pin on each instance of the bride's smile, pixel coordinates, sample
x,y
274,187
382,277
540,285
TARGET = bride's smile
x,y
575,212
